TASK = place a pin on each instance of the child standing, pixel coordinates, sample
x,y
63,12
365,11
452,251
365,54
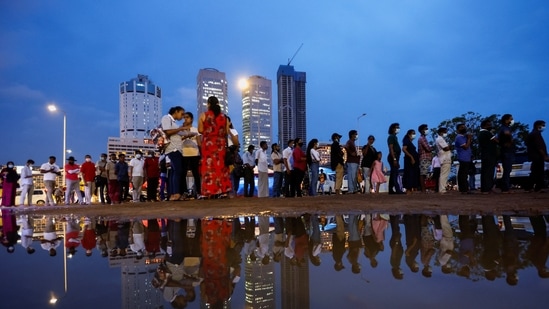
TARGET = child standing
x,y
377,172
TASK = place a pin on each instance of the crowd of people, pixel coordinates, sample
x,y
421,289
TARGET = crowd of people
x,y
211,152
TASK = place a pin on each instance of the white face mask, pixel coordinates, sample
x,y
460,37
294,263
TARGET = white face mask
x,y
10,165
397,130
541,129
445,135
88,160
138,156
412,136
103,159
512,122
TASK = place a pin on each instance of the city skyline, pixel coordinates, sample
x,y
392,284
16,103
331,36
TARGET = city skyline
x,y
408,62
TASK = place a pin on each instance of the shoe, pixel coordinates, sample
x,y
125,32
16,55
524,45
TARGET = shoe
x,y
175,197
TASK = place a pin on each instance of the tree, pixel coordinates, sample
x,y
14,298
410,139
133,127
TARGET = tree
x,y
472,121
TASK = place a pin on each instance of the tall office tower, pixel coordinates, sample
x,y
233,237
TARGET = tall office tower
x,y
259,285
295,284
140,107
292,115
256,111
211,82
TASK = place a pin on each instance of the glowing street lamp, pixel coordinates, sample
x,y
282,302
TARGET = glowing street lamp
x,y
53,108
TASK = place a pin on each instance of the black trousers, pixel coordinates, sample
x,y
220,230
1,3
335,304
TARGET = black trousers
x,y
487,169
297,179
537,169
463,172
249,183
152,188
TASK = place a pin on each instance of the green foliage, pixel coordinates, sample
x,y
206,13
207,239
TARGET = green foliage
x,y
472,121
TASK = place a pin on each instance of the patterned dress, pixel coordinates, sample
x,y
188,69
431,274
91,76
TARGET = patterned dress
x,y
215,175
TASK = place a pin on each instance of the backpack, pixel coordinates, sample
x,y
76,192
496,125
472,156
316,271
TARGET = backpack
x,y
159,138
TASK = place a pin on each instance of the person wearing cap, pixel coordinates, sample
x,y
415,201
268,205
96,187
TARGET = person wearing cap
x,y
102,181
249,163
27,183
337,162
71,180
88,174
50,170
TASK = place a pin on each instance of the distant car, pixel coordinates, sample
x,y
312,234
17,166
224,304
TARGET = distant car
x,y
520,171
38,197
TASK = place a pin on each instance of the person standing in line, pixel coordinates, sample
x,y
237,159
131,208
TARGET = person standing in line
x,y
152,170
299,168
424,150
72,182
249,164
262,170
393,158
191,154
173,150
51,241
337,161
88,174
411,163
313,160
288,163
136,174
507,149
50,171
113,187
444,153
238,168
464,155
122,176
537,153
376,173
102,182
164,182
27,183
435,165
369,155
9,184
488,144
353,159
278,164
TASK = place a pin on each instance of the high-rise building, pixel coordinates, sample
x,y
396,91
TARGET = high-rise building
x,y
140,107
211,82
256,111
292,114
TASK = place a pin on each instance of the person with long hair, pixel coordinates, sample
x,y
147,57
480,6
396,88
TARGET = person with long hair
x,y
313,160
9,184
174,150
215,128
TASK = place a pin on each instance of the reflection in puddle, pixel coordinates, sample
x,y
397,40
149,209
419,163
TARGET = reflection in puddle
x,y
308,261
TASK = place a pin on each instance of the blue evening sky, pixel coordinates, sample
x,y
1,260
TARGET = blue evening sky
x,y
411,62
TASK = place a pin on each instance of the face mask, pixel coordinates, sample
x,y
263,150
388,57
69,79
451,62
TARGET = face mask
x,y
103,159
10,165
512,122
425,132
397,130
412,136
541,129
88,160
138,156
445,135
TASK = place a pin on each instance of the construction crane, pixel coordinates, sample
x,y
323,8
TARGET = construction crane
x,y
297,51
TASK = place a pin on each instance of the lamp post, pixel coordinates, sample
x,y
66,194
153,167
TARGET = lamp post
x,y
53,299
358,126
53,108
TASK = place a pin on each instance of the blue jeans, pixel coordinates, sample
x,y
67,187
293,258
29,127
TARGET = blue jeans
x,y
352,171
313,179
507,159
176,163
277,183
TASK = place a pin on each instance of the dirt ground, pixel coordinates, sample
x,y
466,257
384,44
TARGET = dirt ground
x,y
518,203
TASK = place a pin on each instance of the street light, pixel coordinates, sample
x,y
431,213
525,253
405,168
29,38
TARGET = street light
x,y
53,108
358,126
53,299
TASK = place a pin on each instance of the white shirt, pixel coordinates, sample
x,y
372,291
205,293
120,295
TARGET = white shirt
x,y
176,144
25,172
52,241
249,158
234,132
445,157
315,155
190,144
262,164
277,167
287,154
137,166
47,167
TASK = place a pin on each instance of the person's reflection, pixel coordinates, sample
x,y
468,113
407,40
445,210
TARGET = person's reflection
x,y
123,237
102,234
315,244
539,246
397,251
466,245
27,232
446,245
9,230
72,235
338,243
427,245
297,241
510,256
355,243
88,239
153,239
412,226
250,242
491,242
216,287
279,242
50,240
262,250
137,240
371,244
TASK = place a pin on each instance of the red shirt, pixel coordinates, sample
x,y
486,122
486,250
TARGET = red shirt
x,y
299,163
151,167
88,171
68,168
88,240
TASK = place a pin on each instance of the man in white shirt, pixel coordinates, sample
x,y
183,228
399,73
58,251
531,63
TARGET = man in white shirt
x,y
444,154
50,171
263,170
191,153
288,163
51,241
249,162
136,173
27,184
